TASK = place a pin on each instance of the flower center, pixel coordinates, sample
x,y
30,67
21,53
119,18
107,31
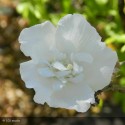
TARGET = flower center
x,y
69,66
61,71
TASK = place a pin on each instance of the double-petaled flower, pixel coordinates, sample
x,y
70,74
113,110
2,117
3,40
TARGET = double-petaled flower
x,y
68,62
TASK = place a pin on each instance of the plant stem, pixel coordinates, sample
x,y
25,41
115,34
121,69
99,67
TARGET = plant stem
x,y
121,11
112,87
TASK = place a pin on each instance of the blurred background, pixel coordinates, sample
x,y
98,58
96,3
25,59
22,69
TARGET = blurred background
x,y
107,16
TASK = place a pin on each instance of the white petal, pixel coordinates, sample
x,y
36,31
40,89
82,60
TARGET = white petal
x,y
71,96
29,74
58,55
57,86
77,68
59,66
42,95
106,72
74,33
62,73
78,79
98,75
38,40
43,91
46,72
43,87
82,106
106,55
82,57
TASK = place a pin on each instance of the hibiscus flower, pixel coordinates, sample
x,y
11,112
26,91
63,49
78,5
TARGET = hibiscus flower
x,y
68,62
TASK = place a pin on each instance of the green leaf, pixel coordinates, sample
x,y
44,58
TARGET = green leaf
x,y
121,55
123,49
122,81
101,2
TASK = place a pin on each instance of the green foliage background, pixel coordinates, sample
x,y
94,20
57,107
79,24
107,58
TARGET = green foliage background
x,y
104,15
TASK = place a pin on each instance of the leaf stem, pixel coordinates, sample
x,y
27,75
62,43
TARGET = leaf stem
x,y
112,87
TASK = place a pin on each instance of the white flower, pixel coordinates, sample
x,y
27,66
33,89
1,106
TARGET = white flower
x,y
69,63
